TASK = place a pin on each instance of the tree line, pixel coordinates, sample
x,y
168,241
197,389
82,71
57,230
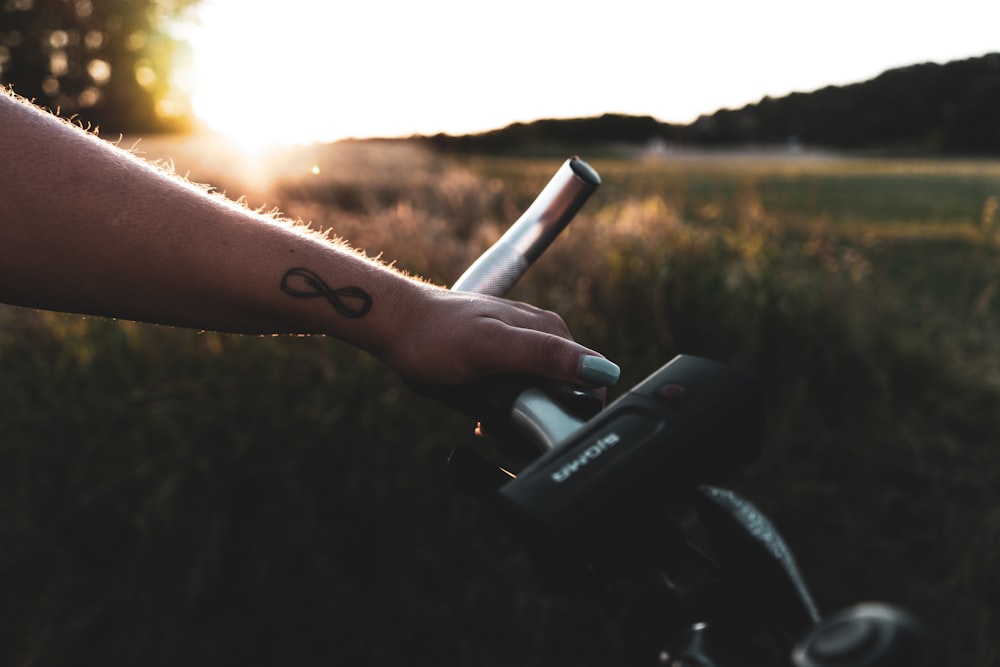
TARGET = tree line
x,y
927,108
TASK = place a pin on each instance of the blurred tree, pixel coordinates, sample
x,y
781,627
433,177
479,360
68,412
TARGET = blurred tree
x,y
106,62
929,107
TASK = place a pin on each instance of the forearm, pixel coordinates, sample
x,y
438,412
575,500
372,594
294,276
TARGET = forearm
x,y
89,228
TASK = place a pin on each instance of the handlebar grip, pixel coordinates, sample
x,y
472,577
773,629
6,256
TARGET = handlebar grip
x,y
495,272
548,414
503,264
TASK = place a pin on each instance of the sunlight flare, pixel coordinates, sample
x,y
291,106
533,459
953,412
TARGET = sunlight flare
x,y
262,77
304,71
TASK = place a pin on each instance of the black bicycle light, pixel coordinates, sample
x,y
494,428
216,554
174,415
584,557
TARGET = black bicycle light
x,y
693,421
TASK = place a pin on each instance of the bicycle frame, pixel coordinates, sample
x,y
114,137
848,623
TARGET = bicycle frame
x,y
623,501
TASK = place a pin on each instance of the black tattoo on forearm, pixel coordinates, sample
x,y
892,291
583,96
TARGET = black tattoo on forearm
x,y
351,302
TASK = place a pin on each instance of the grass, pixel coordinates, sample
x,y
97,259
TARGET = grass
x,y
173,497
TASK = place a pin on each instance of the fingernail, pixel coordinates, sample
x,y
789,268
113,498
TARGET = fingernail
x,y
599,371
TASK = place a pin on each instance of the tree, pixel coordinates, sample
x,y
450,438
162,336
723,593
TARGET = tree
x,y
105,62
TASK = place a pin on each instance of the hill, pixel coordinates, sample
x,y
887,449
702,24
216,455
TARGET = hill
x,y
927,108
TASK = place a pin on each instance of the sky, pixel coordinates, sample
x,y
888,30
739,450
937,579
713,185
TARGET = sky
x,y
321,71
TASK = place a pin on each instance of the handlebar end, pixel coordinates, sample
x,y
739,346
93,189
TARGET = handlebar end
x,y
584,172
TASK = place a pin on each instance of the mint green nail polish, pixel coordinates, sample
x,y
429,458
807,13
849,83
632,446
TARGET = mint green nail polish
x,y
599,371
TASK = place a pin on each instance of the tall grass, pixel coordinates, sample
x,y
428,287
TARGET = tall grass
x,y
180,497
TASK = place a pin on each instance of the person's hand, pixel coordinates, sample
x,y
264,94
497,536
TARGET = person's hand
x,y
450,338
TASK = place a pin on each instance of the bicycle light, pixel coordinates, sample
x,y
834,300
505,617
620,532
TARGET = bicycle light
x,y
693,421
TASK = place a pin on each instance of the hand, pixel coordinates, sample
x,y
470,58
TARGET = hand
x,y
456,337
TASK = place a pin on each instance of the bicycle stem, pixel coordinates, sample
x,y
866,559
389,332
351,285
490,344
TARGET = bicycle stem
x,y
503,264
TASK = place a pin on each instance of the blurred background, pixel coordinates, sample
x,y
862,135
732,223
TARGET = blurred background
x,y
826,218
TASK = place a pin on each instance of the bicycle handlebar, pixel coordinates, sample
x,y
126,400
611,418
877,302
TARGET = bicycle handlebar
x,y
594,506
532,411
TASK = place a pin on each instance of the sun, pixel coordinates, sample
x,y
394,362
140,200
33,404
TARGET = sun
x,y
256,126
256,77
307,72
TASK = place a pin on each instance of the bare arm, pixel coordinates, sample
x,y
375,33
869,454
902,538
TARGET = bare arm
x,y
88,228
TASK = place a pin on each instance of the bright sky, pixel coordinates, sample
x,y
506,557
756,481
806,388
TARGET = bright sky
x,y
305,70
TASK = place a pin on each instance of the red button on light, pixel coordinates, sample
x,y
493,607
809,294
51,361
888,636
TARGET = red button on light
x,y
674,391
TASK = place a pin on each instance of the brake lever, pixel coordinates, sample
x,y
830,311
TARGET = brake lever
x,y
516,408
491,400
506,408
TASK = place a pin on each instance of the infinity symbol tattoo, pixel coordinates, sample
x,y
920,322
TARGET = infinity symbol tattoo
x,y
351,302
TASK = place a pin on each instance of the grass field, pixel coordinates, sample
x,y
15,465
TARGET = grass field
x,y
176,497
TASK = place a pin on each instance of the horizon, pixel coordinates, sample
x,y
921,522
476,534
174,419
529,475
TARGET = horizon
x,y
388,69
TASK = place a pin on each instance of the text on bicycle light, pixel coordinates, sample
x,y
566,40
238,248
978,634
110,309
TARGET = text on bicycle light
x,y
591,453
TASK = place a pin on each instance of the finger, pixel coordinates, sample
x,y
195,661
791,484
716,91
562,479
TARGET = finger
x,y
526,316
551,356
